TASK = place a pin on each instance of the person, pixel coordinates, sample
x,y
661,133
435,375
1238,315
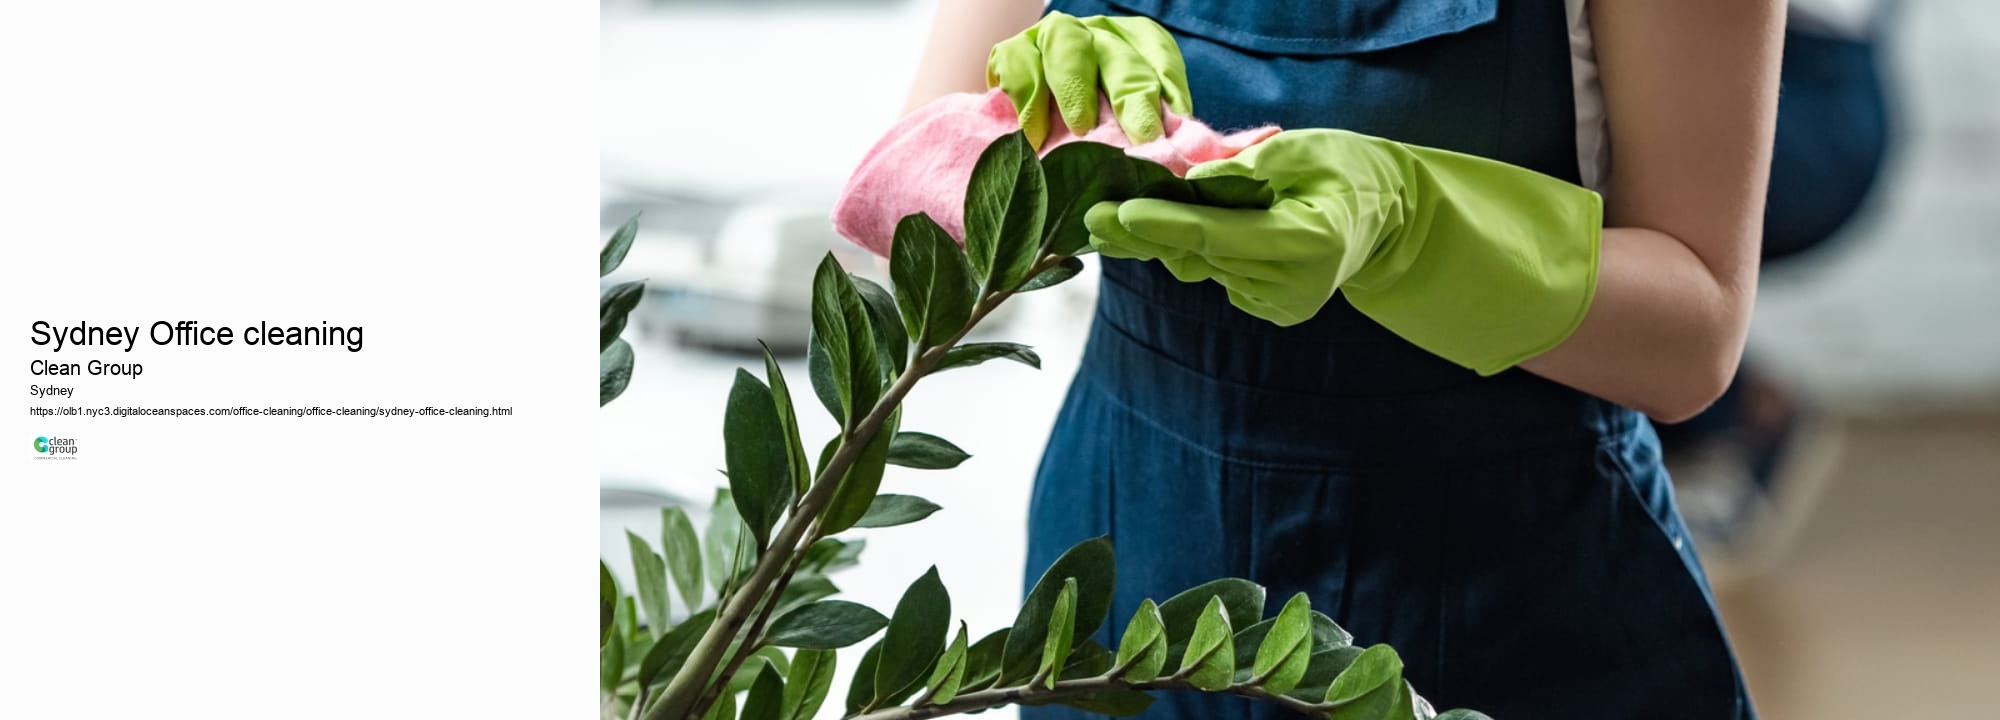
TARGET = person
x,y
1415,388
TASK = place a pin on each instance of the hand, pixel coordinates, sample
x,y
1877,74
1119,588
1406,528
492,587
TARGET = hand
x,y
1064,60
1479,262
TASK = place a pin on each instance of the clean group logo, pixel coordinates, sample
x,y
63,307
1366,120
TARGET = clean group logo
x,y
55,448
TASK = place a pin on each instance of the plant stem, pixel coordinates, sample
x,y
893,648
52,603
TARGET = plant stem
x,y
1066,689
682,696
749,645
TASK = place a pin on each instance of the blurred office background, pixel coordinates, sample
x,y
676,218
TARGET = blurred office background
x,y
723,122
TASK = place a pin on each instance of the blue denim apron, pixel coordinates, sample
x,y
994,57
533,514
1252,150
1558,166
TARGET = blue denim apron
x,y
1515,540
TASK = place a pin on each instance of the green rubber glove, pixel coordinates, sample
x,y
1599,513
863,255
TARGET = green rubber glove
x,y
1482,263
1066,59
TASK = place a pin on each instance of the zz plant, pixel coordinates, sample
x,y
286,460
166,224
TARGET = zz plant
x,y
761,631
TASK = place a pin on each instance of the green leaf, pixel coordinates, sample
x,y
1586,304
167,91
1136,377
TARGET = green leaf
x,y
612,308
747,674
614,372
720,540
788,419
825,625
1156,181
1320,672
819,371
1055,275
840,321
856,492
892,510
1241,599
934,285
1328,634
1462,714
1004,207
830,554
916,634
1210,661
1086,659
970,354
683,551
672,650
760,469
607,602
1082,174
1115,703
982,662
611,662
1285,650
950,671
1062,630
1143,649
861,687
807,682
1091,563
723,709
804,590
891,342
614,250
1233,191
1377,667
649,578
766,700
924,451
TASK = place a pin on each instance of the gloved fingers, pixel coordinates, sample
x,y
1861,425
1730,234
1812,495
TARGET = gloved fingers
x,y
1238,165
1190,269
1015,66
1287,232
1133,86
1069,60
1153,43
1278,314
1111,239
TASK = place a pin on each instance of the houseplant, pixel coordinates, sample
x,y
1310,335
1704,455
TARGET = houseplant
x,y
761,636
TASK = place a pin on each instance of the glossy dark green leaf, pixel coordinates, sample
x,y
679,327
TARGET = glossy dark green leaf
x,y
1092,565
1328,634
892,343
649,580
982,662
892,510
1061,632
805,589
766,700
1156,181
840,321
683,553
1462,714
970,354
607,602
1210,660
1086,659
1143,649
760,468
788,419
723,709
1242,600
620,243
856,492
720,541
1233,191
1115,703
916,633
819,371
1377,667
829,555
613,307
614,371
1388,702
1284,651
861,686
924,451
934,285
1004,207
1053,276
1082,174
807,682
1320,672
949,672
825,625
611,662
671,651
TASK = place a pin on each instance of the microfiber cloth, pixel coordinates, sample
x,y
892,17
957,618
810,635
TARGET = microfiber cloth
x,y
925,162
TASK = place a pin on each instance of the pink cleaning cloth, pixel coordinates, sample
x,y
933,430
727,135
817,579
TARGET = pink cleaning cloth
x,y
925,162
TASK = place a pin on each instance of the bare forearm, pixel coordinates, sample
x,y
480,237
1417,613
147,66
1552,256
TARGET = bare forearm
x,y
1663,335
961,35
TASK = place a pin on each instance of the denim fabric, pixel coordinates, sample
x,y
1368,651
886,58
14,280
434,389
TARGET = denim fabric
x,y
1515,540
